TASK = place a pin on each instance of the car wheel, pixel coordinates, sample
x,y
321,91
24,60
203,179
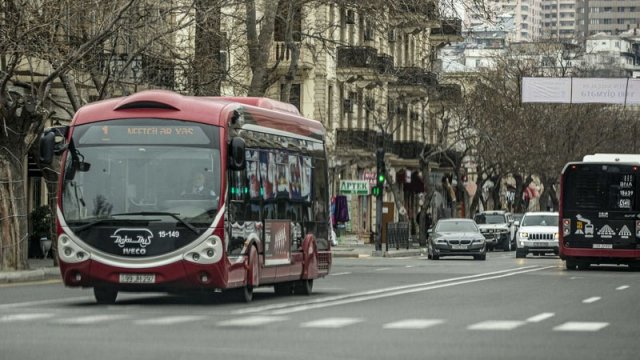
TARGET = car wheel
x,y
507,245
520,254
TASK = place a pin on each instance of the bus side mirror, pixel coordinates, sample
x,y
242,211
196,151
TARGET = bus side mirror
x,y
47,144
237,154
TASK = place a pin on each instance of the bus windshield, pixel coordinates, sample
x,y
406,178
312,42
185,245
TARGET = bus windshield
x,y
152,170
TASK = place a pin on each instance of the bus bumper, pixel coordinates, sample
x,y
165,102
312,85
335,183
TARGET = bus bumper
x,y
610,256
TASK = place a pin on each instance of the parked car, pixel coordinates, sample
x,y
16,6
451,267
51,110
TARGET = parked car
x,y
496,228
538,234
454,237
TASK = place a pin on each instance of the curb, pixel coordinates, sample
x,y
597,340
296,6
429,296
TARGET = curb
x,y
52,273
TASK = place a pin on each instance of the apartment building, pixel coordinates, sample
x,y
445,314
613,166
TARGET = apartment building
x,y
604,16
559,19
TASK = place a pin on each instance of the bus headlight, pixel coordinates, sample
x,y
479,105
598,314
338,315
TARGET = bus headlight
x,y
207,252
69,251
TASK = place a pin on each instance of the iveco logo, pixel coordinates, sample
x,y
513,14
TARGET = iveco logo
x,y
125,238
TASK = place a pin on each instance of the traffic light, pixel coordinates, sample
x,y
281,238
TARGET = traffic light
x,y
380,173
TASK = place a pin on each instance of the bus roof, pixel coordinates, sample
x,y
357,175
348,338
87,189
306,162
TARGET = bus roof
x,y
607,158
216,111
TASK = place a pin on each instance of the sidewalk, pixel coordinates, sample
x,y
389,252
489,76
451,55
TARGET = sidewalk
x,y
348,247
39,270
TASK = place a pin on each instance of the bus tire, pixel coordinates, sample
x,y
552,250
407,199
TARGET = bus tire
x,y
303,287
105,295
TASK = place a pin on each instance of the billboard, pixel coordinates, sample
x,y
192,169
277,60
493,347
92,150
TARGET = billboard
x,y
621,91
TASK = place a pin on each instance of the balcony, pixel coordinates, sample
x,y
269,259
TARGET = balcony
x,y
446,93
357,57
415,76
448,30
408,149
413,82
385,64
416,14
356,139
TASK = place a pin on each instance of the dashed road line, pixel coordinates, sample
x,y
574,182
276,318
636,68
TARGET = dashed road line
x,y
332,323
623,287
496,325
341,273
382,269
25,317
540,317
413,324
581,326
92,319
252,321
170,320
591,300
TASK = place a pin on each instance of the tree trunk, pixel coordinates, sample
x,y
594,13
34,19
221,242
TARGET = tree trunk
x,y
208,70
14,237
259,46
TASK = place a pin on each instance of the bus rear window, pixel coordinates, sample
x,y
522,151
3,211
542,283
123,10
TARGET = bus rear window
x,y
600,187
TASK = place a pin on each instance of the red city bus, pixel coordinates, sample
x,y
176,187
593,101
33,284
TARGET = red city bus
x,y
164,192
600,212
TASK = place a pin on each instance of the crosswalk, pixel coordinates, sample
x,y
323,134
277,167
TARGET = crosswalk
x,y
322,323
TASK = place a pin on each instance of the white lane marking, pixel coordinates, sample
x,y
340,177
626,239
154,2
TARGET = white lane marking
x,y
623,287
591,299
170,320
581,326
261,309
44,302
540,317
409,266
83,320
332,323
252,321
496,325
382,269
341,273
413,324
311,306
24,317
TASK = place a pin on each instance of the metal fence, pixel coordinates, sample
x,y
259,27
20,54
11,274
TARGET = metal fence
x,y
398,235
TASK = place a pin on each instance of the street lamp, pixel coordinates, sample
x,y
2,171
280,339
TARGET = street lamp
x,y
135,67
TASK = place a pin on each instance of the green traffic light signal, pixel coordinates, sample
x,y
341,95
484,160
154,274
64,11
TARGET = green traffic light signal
x,y
381,178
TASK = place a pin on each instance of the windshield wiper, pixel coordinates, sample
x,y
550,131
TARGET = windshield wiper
x,y
173,215
103,220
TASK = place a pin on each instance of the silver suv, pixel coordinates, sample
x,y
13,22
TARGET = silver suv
x,y
538,234
496,228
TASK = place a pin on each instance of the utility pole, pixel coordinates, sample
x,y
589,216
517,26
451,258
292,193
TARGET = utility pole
x,y
378,191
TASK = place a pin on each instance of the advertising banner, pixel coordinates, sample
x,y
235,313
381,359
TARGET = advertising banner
x,y
277,242
621,91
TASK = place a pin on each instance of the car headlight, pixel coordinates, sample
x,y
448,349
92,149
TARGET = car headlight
x,y
441,241
524,235
478,241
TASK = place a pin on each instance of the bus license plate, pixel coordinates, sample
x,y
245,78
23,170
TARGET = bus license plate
x,y
137,278
459,247
603,246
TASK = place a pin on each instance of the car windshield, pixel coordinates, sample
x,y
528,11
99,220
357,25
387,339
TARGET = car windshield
x,y
456,226
540,220
490,219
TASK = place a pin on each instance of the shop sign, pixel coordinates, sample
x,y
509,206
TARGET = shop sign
x,y
355,187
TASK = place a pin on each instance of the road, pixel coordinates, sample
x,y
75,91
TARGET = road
x,y
368,308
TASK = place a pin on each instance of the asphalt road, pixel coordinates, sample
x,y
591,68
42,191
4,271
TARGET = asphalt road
x,y
368,308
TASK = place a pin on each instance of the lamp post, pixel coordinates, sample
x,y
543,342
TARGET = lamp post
x,y
135,67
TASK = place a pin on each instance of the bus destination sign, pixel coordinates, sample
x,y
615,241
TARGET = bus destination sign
x,y
144,134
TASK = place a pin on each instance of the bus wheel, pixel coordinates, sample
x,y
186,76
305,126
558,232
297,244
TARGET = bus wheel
x,y
285,288
303,287
105,295
571,265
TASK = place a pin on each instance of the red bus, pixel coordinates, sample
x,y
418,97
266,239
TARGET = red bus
x,y
600,211
164,192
